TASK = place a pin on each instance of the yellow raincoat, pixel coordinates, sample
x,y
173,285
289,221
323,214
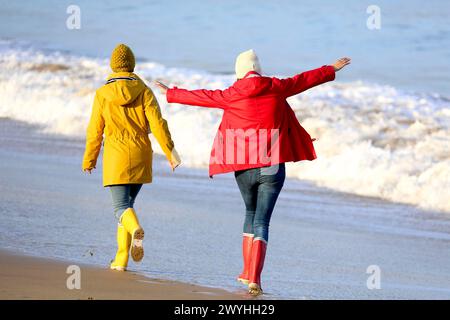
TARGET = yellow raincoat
x,y
125,111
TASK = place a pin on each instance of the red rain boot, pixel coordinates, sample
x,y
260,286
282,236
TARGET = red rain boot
x,y
256,266
247,243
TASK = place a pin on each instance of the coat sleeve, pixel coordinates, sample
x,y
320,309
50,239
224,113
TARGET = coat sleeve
x,y
94,135
159,127
306,80
201,97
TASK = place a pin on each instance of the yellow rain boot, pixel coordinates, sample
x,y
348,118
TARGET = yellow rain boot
x,y
131,223
120,262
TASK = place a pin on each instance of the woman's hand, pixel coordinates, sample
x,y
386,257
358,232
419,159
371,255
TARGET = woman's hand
x,y
342,62
89,171
174,164
162,87
175,159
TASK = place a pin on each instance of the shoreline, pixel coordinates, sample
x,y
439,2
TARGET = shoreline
x,y
35,278
324,241
19,141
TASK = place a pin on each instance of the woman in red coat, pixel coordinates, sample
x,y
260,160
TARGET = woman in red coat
x,y
258,134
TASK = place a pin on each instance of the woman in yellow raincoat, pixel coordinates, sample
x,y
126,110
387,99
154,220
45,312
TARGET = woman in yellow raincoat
x,y
125,111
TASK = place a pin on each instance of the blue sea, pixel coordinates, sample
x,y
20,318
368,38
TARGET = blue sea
x,y
411,50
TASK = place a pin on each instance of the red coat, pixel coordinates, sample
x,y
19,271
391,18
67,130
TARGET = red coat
x,y
258,126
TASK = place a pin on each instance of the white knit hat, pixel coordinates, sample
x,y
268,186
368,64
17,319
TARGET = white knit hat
x,y
245,62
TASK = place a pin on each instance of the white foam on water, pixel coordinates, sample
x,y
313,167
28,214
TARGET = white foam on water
x,y
372,140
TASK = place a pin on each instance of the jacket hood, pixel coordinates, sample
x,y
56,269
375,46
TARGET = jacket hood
x,y
250,87
122,88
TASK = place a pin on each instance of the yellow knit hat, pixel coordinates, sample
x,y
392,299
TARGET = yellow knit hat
x,y
122,59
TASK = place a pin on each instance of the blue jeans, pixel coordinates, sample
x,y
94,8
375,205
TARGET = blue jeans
x,y
260,188
123,197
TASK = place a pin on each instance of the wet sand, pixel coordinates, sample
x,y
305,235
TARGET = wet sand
x,y
322,243
26,277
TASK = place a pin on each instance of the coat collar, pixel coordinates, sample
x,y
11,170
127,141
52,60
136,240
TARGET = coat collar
x,y
121,75
251,74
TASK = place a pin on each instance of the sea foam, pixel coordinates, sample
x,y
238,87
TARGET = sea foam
x,y
372,140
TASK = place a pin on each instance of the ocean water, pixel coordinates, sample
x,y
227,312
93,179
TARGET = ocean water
x,y
410,51
382,130
372,139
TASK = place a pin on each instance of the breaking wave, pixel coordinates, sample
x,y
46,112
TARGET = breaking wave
x,y
372,140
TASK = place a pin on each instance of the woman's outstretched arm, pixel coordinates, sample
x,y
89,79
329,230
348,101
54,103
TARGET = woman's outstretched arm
x,y
201,97
312,78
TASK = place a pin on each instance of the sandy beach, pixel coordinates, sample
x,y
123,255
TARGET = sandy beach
x,y
26,277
